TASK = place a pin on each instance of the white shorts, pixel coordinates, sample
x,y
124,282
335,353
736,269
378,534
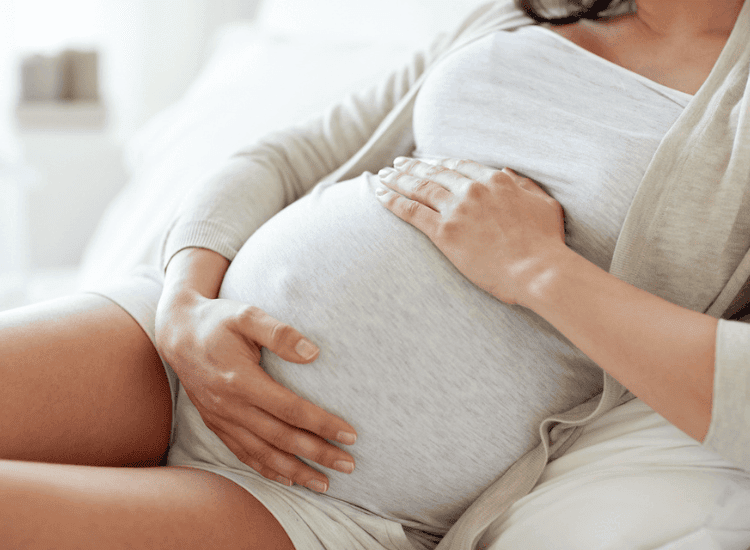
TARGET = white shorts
x,y
312,521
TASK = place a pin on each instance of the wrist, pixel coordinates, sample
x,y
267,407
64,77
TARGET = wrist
x,y
178,298
194,273
539,277
192,278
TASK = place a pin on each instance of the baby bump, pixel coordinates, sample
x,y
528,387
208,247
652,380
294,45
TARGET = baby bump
x,y
443,383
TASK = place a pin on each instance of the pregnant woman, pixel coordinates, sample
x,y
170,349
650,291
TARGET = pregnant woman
x,y
429,288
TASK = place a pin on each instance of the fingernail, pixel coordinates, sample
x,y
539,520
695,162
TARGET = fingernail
x,y
284,481
347,438
318,486
306,349
385,172
400,161
381,190
344,466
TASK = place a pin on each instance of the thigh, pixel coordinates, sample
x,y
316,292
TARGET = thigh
x,y
81,384
80,507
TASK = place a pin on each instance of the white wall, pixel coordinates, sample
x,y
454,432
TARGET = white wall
x,y
7,90
157,48
150,50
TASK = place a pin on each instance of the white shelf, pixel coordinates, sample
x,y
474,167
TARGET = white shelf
x,y
67,115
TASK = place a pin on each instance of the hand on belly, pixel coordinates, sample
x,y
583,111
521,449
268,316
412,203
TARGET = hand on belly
x,y
442,382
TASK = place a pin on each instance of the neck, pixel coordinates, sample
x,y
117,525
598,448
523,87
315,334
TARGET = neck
x,y
687,18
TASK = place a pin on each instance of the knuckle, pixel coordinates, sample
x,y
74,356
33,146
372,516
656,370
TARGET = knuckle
x,y
284,440
475,190
250,314
448,231
499,178
280,333
307,446
225,391
293,412
398,175
436,170
246,457
450,164
258,467
302,474
266,472
411,208
421,187
467,167
324,455
409,167
213,404
264,456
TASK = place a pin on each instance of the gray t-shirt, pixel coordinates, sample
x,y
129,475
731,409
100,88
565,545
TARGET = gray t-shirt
x,y
446,385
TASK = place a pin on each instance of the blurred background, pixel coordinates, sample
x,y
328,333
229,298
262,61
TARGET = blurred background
x,y
77,79
111,110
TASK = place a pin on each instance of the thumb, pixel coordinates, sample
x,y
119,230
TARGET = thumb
x,y
278,337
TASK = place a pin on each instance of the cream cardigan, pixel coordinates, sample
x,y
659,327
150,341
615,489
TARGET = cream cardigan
x,y
673,244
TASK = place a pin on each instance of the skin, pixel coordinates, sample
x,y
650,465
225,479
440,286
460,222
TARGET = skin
x,y
262,422
84,394
675,43
58,356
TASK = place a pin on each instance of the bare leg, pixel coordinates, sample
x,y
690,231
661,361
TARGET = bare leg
x,y
80,383
65,507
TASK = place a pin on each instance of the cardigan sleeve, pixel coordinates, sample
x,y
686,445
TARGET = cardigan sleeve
x,y
223,211
729,431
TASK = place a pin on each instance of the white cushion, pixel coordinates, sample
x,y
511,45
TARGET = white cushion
x,y
631,481
414,21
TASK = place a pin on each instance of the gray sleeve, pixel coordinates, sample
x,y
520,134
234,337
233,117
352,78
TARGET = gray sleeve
x,y
223,211
256,183
729,431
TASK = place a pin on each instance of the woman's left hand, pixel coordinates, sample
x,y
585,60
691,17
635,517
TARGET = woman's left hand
x,y
501,230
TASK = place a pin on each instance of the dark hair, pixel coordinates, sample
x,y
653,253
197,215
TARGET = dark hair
x,y
570,11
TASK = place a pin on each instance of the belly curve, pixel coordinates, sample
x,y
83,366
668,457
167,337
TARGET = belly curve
x,y
444,384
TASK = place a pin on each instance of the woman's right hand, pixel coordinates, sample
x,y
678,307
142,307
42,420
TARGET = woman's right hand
x,y
214,347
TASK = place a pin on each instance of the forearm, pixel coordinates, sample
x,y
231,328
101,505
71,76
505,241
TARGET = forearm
x,y
661,352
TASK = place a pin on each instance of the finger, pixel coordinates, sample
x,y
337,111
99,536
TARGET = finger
x,y
280,402
451,180
413,212
259,327
526,183
268,473
422,190
273,463
280,338
470,169
486,174
294,441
